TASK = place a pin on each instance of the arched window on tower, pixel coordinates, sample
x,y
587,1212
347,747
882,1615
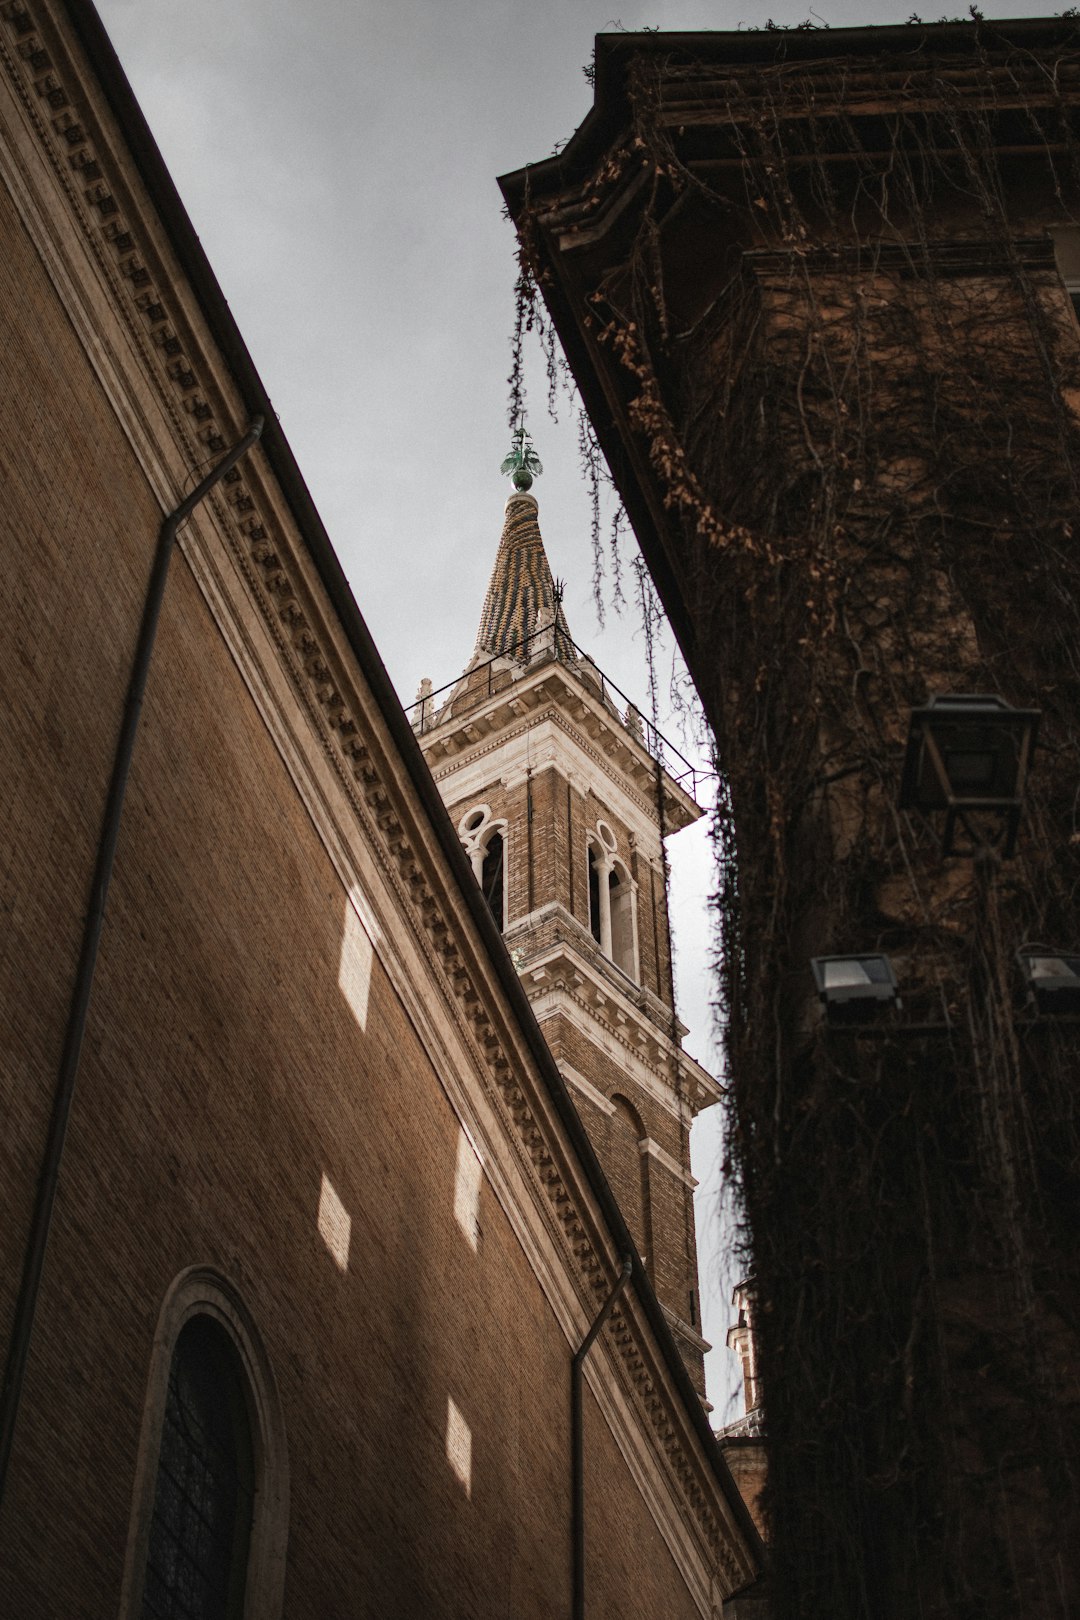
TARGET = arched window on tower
x,y
594,893
200,1529
611,902
621,895
629,1173
492,877
484,839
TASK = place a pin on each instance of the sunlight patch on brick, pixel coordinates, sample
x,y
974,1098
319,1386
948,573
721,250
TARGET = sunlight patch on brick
x,y
459,1445
468,1179
354,968
335,1224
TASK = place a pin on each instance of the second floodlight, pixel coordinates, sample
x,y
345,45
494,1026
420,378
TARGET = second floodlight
x,y
1052,978
854,987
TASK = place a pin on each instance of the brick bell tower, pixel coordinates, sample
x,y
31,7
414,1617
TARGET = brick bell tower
x,y
562,806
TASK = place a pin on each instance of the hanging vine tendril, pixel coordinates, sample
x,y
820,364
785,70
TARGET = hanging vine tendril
x,y
531,319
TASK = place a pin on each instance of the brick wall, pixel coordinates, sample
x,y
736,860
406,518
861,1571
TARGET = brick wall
x,y
656,1203
224,1076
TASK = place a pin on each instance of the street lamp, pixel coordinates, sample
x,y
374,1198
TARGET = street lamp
x,y
852,988
1052,978
969,753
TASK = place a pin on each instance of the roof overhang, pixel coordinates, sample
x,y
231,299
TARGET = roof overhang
x,y
572,230
551,683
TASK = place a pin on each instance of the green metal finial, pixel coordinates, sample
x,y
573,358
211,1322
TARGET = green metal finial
x,y
522,463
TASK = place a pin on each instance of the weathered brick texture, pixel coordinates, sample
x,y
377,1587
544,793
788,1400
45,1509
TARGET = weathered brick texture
x,y
225,1076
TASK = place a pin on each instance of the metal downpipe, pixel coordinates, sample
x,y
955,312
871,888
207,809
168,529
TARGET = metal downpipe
x,y
577,1443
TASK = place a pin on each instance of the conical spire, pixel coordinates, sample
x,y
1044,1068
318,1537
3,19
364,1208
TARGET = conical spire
x,y
522,599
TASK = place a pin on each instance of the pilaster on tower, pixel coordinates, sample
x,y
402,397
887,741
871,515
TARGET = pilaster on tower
x,y
562,808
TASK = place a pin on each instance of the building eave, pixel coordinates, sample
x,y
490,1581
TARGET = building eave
x,y
563,970
610,113
540,187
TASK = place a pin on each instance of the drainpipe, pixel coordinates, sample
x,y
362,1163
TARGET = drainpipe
x,y
37,1241
577,1442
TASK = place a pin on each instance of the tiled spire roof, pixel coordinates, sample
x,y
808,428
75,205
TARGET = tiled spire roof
x,y
521,599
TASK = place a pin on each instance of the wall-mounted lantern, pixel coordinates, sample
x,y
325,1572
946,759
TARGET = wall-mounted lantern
x,y
853,988
1052,978
969,754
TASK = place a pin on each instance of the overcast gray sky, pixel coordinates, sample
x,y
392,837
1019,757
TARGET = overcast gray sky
x,y
339,160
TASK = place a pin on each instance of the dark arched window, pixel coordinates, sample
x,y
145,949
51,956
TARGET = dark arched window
x,y
631,1177
594,895
201,1526
492,876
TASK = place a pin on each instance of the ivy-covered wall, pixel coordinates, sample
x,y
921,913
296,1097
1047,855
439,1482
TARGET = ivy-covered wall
x,y
809,286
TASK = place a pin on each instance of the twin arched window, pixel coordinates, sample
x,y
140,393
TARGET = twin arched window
x,y
611,902
484,839
493,876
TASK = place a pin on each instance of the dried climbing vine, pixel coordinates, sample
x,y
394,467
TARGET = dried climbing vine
x,y
531,319
865,440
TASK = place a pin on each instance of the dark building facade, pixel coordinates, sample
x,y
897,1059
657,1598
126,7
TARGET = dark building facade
x,y
817,292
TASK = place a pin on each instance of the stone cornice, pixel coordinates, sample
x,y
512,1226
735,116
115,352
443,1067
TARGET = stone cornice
x,y
559,980
250,561
669,1162
602,735
574,933
586,1087
685,1331
548,740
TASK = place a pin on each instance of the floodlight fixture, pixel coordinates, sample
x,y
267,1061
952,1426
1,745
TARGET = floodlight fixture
x,y
1052,978
969,753
853,988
